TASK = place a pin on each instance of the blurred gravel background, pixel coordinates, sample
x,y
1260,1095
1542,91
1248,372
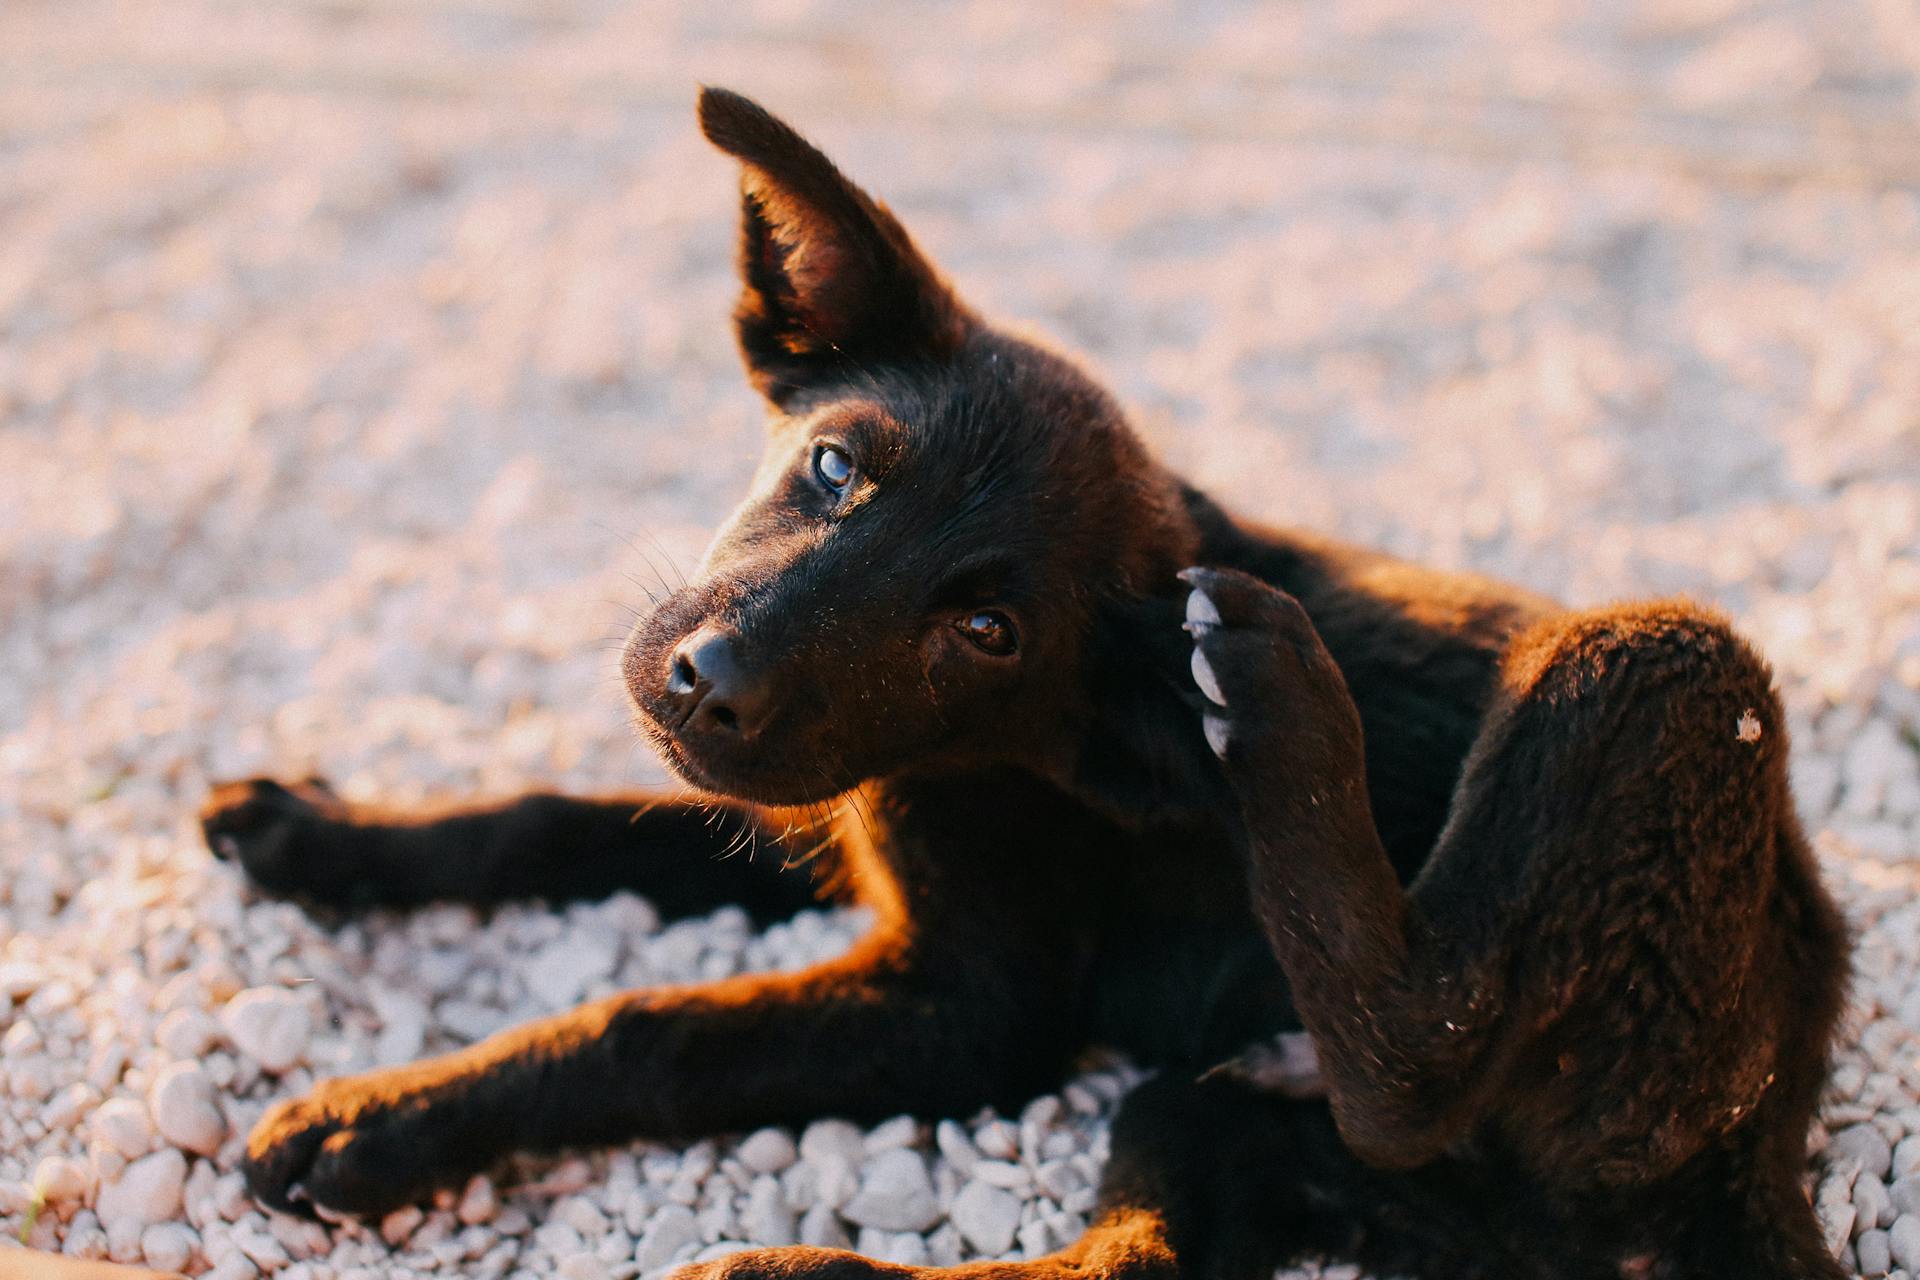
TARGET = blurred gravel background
x,y
361,363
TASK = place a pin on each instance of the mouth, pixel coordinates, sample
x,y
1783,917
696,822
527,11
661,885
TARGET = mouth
x,y
749,777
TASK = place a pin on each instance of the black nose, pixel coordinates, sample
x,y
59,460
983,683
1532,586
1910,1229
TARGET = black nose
x,y
710,689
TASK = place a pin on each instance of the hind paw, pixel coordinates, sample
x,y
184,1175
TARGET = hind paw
x,y
1259,664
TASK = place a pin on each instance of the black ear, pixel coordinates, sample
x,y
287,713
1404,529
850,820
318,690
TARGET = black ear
x,y
830,281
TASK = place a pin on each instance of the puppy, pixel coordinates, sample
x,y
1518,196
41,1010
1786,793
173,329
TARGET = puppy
x,y
1469,935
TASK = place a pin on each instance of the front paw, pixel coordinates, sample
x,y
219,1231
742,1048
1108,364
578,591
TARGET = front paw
x,y
797,1263
1269,683
358,1145
293,841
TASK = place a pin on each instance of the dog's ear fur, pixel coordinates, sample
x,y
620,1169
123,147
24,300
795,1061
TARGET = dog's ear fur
x,y
831,284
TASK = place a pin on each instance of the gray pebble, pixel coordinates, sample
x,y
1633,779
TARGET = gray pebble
x,y
1905,1241
1865,1144
1873,1253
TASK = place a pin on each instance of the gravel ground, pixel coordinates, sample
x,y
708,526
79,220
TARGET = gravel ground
x,y
360,364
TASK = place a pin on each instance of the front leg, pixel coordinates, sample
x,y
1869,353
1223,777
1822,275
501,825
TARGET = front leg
x,y
303,841
872,1034
1399,1022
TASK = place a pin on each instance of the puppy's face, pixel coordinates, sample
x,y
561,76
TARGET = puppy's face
x,y
940,514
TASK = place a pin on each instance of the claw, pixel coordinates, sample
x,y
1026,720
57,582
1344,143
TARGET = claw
x,y
1288,1065
1202,614
1204,677
1217,730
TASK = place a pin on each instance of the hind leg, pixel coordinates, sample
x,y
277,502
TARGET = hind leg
x,y
1209,1180
1616,965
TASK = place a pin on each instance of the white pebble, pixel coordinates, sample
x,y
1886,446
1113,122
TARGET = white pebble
x,y
1873,1252
185,1109
478,1203
901,1131
168,1246
1865,1144
895,1194
60,1181
401,1223
820,1227
767,1151
582,1266
147,1191
766,1218
187,1033
1904,1240
269,1025
673,1228
828,1138
1872,1203
987,1216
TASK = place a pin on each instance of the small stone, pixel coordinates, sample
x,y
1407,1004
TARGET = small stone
x,y
1874,1253
1906,1156
582,1215
269,1025
766,1218
997,1140
1003,1173
767,1151
479,1202
146,1192
1905,1194
1035,1239
560,972
987,1216
820,1227
582,1266
673,1228
185,1109
901,1131
1904,1241
826,1138
398,1225
1872,1203
403,1027
187,1033
895,1194
956,1146
168,1246
1865,1144
60,1181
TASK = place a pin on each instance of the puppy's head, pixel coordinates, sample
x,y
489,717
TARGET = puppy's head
x,y
943,516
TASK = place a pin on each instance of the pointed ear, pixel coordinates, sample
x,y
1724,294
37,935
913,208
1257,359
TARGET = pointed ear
x,y
830,281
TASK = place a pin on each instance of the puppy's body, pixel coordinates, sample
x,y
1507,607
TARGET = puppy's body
x,y
1529,879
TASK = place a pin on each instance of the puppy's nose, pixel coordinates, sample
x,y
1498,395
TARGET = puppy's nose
x,y
712,690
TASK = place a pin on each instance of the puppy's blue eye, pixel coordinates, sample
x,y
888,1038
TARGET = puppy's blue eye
x,y
833,466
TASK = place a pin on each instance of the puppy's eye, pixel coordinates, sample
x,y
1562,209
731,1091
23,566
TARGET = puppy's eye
x,y
832,466
990,631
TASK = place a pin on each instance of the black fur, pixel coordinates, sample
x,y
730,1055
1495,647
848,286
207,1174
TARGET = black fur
x,y
1530,879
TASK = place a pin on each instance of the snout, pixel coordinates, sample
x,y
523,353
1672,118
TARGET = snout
x,y
711,693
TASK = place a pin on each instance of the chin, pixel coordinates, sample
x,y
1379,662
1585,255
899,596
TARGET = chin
x,y
749,780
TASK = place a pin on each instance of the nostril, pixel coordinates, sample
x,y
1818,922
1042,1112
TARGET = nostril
x,y
682,676
724,717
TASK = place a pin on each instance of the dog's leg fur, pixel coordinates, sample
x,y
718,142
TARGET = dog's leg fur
x,y
303,841
1621,888
935,1012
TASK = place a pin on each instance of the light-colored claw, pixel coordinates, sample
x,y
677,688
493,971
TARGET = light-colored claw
x,y
1204,677
1202,613
1217,730
1288,1065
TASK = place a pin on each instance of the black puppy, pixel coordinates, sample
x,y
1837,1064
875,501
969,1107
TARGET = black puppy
x,y
1530,880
